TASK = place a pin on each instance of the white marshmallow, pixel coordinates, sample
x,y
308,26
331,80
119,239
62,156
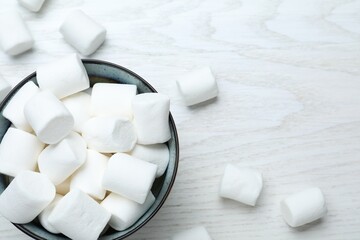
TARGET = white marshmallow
x,y
241,184
79,105
157,154
63,77
44,215
15,37
196,233
64,187
14,110
303,207
109,134
48,116
112,99
151,118
60,160
82,32
26,196
130,177
124,212
32,5
4,88
197,86
88,178
19,150
78,216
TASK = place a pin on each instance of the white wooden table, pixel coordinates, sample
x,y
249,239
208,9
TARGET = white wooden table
x,y
289,78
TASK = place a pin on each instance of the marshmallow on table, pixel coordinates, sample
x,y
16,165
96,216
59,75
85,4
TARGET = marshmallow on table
x,y
4,88
48,116
82,32
151,118
303,207
32,5
157,154
109,134
78,216
15,37
196,233
241,184
129,177
26,196
19,150
64,187
79,106
124,212
197,86
44,215
14,110
63,77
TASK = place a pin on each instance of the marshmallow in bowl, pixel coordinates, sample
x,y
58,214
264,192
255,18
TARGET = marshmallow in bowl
x,y
32,5
63,77
19,150
79,105
196,233
44,215
129,177
26,196
48,116
151,118
4,88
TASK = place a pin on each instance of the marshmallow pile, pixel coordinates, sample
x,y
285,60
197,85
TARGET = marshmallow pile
x,y
68,148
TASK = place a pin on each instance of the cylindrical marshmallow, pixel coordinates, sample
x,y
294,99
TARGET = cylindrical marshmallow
x,y
109,134
32,5
82,32
79,105
44,215
15,37
303,207
19,150
157,154
129,177
63,77
26,196
4,88
196,233
48,116
125,212
151,118
64,187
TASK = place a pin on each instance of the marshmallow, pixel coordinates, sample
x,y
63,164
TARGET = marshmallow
x,y
44,215
4,88
32,5
88,178
303,207
19,150
60,160
124,212
197,86
196,233
241,184
14,110
48,116
157,154
82,32
64,187
15,37
78,216
79,106
130,177
63,77
109,134
112,99
151,118
26,196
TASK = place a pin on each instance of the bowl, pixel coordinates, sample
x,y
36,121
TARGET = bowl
x,y
101,71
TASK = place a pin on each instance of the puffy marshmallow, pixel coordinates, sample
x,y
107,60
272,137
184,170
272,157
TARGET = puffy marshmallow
x,y
44,215
151,118
157,154
15,37
88,178
32,5
26,196
79,105
63,77
196,233
14,110
60,160
124,212
48,116
19,150
82,32
130,177
112,99
109,134
4,88
241,184
78,216
303,207
64,187
197,86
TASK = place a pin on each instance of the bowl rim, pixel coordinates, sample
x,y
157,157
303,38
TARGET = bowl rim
x,y
172,123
